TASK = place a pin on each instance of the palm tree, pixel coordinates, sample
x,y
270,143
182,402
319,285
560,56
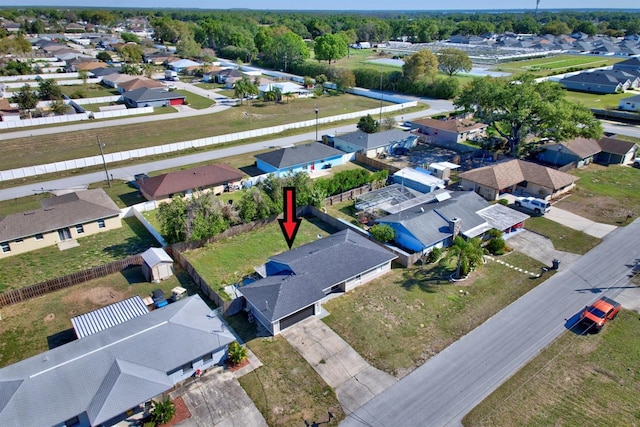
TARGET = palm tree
x,y
466,253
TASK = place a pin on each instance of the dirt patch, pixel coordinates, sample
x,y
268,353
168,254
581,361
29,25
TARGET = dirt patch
x,y
49,317
597,208
97,296
235,366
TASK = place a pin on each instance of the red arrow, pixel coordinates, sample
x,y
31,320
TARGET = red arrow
x,y
290,224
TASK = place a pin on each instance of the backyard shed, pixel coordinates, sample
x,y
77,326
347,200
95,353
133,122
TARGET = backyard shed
x,y
157,265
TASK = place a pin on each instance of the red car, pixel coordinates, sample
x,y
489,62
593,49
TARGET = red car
x,y
596,315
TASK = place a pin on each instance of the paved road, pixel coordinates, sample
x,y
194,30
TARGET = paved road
x,y
621,128
445,388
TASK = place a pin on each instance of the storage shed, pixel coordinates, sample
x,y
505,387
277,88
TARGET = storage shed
x,y
157,265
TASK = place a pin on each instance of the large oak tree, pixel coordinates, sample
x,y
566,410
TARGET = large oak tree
x,y
521,108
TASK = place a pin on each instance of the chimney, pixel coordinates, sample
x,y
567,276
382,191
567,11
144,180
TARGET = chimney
x,y
454,226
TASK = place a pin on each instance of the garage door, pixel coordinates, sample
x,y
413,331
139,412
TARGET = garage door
x,y
177,101
296,317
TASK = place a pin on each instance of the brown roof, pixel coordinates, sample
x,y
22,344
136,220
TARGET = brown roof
x,y
512,172
6,107
452,125
189,179
583,147
59,212
616,146
140,82
89,65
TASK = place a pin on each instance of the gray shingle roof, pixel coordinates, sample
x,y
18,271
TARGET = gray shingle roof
x,y
593,78
374,140
111,371
299,154
149,95
316,267
67,210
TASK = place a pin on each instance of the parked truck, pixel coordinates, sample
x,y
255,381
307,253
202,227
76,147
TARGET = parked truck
x,y
594,317
538,206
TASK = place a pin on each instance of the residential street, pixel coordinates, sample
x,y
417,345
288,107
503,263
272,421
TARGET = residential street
x,y
445,388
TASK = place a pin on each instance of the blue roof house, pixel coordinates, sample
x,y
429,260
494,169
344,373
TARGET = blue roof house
x,y
299,158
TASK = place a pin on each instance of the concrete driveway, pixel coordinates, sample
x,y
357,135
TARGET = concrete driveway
x,y
540,248
354,380
579,223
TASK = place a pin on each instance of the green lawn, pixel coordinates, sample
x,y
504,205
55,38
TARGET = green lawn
x,y
286,389
27,327
90,90
226,262
554,64
579,380
402,319
609,194
196,101
593,100
563,238
48,263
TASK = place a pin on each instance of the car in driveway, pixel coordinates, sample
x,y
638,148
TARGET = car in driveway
x,y
595,316
538,206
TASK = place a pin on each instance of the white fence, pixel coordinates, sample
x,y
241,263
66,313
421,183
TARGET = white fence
x,y
70,118
70,82
184,145
98,100
33,77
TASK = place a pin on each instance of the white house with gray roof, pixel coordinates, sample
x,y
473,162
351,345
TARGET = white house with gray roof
x,y
373,144
67,217
95,380
298,281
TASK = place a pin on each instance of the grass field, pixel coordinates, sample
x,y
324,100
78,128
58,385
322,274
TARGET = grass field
x,y
227,261
48,263
580,380
196,101
402,319
594,100
57,147
554,64
605,194
90,90
27,328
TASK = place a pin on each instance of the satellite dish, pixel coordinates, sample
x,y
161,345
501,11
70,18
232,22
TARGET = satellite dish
x,y
319,236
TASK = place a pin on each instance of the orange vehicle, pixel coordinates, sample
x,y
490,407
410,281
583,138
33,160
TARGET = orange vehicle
x,y
595,316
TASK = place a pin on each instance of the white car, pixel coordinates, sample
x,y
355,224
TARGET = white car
x,y
538,206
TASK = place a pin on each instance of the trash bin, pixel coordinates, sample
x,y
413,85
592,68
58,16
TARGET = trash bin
x,y
556,264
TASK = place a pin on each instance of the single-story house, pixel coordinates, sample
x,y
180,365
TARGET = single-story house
x,y
631,103
115,79
222,75
583,151
418,179
138,83
434,224
594,82
156,97
61,218
7,110
84,65
517,176
450,130
298,281
631,64
373,144
96,380
630,81
157,265
299,158
181,64
213,177
294,89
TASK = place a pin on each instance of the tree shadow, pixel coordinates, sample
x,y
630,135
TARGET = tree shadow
x,y
133,275
61,338
131,246
426,280
327,228
244,329
251,170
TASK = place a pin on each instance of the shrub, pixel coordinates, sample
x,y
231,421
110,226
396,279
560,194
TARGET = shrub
x,y
236,353
383,232
163,411
434,255
503,202
496,245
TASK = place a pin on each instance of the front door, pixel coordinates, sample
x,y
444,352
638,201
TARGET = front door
x,y
64,234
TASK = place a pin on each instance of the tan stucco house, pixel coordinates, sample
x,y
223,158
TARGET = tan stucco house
x,y
61,218
451,130
515,176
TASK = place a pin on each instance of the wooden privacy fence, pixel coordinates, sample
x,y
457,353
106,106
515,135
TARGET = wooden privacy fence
x,y
15,296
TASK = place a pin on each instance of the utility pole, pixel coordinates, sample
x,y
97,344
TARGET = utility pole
x,y
316,122
381,97
104,162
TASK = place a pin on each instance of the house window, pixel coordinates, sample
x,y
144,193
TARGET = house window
x,y
359,278
207,357
19,240
39,236
187,367
101,223
5,247
72,422
80,228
